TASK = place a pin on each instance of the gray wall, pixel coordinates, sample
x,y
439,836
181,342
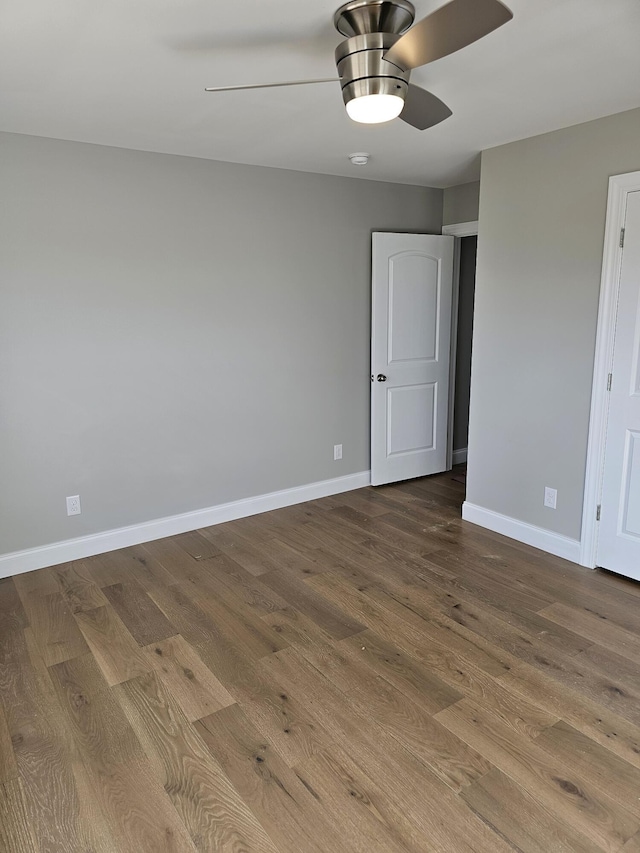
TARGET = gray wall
x,y
178,333
542,217
466,293
461,203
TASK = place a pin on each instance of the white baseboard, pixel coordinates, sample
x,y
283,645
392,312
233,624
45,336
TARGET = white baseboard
x,y
538,537
135,534
460,456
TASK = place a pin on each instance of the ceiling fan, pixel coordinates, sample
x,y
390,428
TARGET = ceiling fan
x,y
382,47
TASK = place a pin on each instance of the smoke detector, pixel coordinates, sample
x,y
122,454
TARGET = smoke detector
x,y
359,159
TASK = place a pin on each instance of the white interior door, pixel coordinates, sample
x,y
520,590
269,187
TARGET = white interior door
x,y
619,532
412,284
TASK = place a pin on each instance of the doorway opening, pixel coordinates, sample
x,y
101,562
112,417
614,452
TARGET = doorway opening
x,y
423,291
462,360
465,255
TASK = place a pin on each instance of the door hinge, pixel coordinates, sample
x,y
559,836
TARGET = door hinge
x,y
609,381
622,238
598,512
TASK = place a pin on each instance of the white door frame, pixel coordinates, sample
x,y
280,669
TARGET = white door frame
x,y
619,187
460,229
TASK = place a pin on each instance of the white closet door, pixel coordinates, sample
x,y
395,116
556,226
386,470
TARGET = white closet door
x,y
619,533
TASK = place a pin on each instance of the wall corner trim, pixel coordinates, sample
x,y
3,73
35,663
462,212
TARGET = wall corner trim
x,y
537,537
135,534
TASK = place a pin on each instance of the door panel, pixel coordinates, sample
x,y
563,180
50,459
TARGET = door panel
x,y
411,418
412,285
413,309
631,486
619,532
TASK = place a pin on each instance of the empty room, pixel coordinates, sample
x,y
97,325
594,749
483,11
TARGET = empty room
x,y
319,403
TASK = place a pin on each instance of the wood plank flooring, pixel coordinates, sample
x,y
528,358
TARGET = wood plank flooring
x,y
364,673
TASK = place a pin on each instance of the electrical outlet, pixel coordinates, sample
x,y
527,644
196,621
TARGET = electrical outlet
x,y
337,452
550,497
73,505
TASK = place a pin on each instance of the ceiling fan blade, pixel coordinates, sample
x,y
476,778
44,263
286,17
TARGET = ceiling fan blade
x,y
422,109
456,25
272,85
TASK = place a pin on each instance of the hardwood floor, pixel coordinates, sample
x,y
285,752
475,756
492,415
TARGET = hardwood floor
x,y
364,672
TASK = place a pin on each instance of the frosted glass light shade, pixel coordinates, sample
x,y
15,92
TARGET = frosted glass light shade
x,y
375,109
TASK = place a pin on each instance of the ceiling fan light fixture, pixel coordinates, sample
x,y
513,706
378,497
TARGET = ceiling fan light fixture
x,y
373,90
375,109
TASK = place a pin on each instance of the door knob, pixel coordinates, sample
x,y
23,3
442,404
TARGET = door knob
x,y
381,377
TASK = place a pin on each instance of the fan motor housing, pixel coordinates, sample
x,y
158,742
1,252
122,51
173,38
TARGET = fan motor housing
x,y
364,71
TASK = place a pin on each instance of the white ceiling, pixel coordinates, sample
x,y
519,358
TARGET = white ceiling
x,y
131,73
